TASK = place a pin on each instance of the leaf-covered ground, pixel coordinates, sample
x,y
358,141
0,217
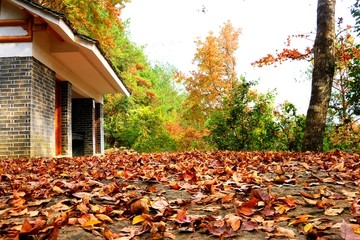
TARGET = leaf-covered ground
x,y
192,195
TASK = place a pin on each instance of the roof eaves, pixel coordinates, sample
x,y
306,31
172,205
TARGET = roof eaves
x,y
82,36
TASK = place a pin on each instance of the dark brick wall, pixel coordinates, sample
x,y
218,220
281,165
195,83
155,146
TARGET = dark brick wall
x,y
42,133
27,95
99,116
83,113
66,130
15,102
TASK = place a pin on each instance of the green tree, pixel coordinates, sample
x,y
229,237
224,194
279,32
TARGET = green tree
x,y
245,122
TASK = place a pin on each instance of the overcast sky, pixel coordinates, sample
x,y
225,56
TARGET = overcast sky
x,y
168,29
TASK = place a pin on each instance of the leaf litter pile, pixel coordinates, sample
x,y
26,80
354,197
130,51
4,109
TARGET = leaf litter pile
x,y
190,195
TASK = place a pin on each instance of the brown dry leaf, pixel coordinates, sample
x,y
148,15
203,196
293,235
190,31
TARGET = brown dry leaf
x,y
17,214
82,208
310,196
104,218
333,211
72,221
57,190
233,221
38,202
347,232
108,234
282,218
169,235
284,232
140,206
310,201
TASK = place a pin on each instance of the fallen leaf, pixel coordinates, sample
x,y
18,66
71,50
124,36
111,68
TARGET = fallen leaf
x,y
89,225
333,211
104,218
138,219
347,232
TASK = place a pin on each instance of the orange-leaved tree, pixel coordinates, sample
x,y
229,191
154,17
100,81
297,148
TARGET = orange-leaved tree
x,y
215,75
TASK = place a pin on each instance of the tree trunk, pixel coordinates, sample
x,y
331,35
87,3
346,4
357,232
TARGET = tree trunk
x,y
322,77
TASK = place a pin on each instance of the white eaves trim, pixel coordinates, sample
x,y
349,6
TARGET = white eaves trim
x,y
115,81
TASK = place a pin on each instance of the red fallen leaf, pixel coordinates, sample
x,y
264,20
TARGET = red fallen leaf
x,y
325,203
219,223
181,216
222,232
245,208
152,189
54,234
190,175
268,211
261,195
174,185
289,200
26,227
250,204
249,226
227,198
347,232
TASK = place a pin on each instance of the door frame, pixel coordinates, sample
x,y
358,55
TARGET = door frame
x,y
58,118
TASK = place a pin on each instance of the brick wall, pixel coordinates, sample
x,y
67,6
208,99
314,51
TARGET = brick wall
x,y
83,113
15,99
42,134
66,130
99,116
27,95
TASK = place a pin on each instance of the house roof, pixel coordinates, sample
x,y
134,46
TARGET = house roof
x,y
79,53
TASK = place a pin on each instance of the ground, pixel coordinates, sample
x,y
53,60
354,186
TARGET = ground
x,y
190,195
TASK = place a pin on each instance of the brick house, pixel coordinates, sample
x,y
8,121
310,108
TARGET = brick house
x,y
52,82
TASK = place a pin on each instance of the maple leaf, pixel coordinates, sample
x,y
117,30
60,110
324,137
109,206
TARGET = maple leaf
x,y
181,216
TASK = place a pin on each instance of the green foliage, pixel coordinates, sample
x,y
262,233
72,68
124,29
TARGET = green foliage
x,y
249,121
344,137
353,84
291,127
144,131
245,122
141,121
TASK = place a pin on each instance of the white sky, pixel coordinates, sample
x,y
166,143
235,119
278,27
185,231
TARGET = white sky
x,y
168,29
